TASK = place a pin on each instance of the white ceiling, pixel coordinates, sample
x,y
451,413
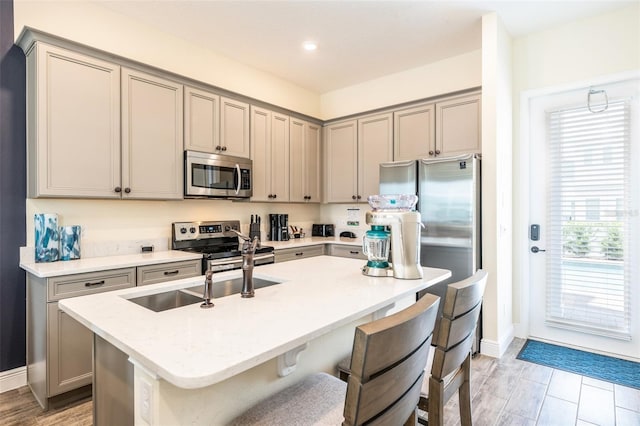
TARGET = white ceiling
x,y
357,40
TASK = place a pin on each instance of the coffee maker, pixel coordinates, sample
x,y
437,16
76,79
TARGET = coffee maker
x,y
395,212
279,227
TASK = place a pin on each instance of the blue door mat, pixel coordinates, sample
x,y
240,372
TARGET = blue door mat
x,y
614,370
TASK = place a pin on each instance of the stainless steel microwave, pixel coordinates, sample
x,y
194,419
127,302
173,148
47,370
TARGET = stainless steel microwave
x,y
213,175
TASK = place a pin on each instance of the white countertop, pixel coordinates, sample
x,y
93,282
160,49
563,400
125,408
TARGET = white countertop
x,y
94,264
192,347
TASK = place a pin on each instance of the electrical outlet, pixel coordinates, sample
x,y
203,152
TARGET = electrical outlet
x,y
145,401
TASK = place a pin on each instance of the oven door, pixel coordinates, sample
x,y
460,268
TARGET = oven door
x,y
212,175
221,265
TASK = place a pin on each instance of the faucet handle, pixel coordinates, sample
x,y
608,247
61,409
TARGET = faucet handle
x,y
244,237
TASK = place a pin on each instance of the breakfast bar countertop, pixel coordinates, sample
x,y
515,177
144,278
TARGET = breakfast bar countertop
x,y
193,348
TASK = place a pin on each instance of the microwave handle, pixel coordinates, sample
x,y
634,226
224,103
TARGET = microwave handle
x,y
239,178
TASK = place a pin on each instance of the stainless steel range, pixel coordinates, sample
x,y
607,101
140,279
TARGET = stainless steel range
x,y
218,244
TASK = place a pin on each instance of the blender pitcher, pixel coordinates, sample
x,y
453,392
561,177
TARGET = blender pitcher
x,y
375,245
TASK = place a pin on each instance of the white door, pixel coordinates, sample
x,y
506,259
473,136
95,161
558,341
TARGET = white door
x,y
584,195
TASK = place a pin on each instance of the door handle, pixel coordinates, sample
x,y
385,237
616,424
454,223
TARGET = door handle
x,y
535,249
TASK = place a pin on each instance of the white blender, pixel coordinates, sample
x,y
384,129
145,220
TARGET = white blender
x,y
395,212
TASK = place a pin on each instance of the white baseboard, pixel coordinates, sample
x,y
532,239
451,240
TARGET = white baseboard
x,y
13,379
496,349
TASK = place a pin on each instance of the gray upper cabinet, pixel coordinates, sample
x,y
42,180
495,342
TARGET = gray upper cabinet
x,y
270,155
414,132
447,127
97,130
201,120
304,161
73,124
341,162
375,146
354,151
234,128
458,125
152,137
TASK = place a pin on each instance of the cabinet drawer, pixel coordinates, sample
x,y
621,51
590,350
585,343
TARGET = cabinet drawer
x,y
153,274
284,255
354,252
91,282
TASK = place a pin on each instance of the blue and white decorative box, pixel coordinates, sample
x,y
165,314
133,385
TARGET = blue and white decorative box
x,y
70,242
46,233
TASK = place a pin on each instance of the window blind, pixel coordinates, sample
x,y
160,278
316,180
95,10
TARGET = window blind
x,y
588,269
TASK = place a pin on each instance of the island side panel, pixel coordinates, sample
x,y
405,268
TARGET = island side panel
x,y
220,403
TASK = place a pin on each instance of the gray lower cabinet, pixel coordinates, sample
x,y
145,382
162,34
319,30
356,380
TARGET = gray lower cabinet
x,y
59,349
294,253
59,355
153,274
344,250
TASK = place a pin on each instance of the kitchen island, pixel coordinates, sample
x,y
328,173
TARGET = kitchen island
x,y
205,366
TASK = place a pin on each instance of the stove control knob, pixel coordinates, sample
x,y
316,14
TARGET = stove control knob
x,y
192,229
183,230
227,228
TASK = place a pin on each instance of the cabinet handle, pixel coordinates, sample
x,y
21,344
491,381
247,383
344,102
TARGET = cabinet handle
x,y
218,148
118,189
353,197
300,254
224,148
96,284
127,190
354,252
430,152
274,196
166,273
359,197
437,152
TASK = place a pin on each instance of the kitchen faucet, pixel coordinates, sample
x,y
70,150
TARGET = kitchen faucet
x,y
208,290
248,250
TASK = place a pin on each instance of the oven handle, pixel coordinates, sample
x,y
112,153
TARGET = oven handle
x,y
238,260
239,179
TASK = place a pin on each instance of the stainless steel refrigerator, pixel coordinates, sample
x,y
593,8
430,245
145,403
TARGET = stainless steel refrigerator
x,y
448,190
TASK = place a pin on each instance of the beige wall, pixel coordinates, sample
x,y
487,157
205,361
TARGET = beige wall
x,y
497,326
580,52
449,75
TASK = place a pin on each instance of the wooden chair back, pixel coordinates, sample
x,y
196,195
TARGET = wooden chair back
x,y
457,326
387,365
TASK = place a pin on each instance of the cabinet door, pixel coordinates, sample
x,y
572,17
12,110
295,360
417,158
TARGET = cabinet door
x,y
261,153
152,135
341,153
458,125
73,124
234,127
69,353
304,158
414,133
279,157
201,120
297,178
375,146
312,154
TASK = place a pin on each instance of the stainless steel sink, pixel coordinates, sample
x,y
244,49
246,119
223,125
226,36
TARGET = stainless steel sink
x,y
168,300
230,286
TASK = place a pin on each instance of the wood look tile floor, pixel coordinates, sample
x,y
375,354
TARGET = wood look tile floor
x,y
505,392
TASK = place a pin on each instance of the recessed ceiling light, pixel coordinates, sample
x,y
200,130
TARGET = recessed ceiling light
x,y
309,45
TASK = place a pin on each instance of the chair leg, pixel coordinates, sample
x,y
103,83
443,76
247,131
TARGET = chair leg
x,y
464,393
436,402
